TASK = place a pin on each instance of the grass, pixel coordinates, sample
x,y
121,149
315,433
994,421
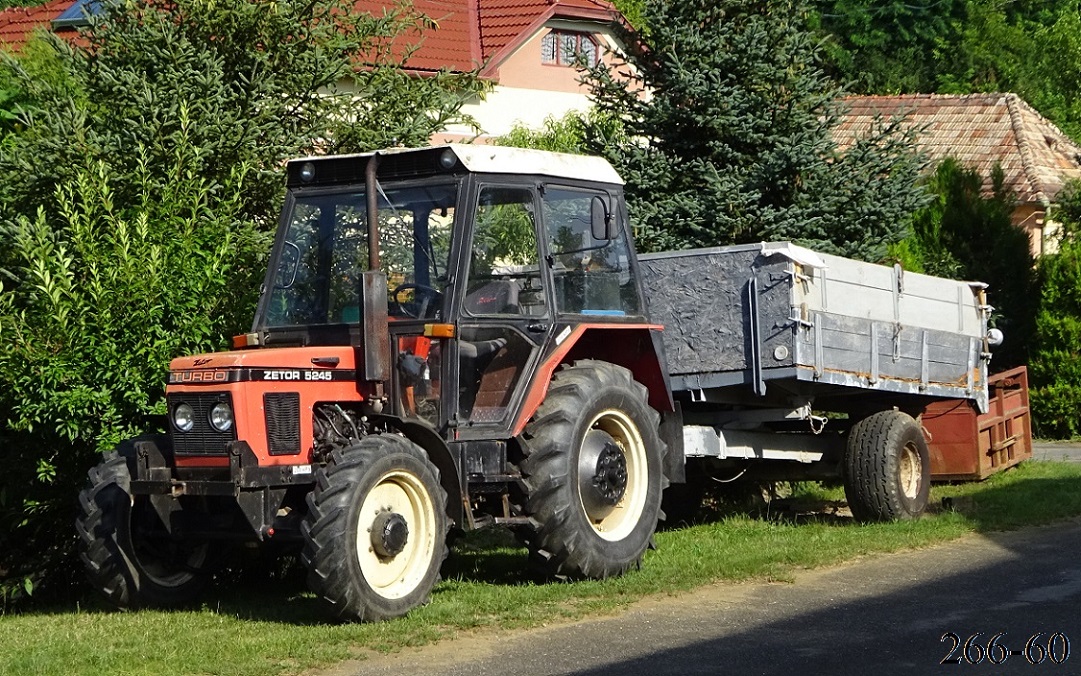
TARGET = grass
x,y
276,627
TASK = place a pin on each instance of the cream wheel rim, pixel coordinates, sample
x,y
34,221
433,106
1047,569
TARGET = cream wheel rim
x,y
910,472
618,521
400,493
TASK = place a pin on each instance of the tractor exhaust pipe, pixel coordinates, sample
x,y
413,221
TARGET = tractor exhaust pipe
x,y
373,293
373,211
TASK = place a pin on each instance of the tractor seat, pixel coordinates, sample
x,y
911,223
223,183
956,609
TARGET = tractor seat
x,y
497,297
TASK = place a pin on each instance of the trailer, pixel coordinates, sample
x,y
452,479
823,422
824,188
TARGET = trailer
x,y
791,364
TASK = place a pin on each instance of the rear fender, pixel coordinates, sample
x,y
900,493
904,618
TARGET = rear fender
x,y
636,347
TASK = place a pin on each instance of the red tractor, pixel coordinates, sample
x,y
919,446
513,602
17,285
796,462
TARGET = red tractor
x,y
447,338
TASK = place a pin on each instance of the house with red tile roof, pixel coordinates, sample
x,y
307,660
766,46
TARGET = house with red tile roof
x,y
526,48
18,23
982,130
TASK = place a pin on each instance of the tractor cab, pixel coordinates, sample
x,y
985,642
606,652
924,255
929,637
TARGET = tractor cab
x,y
485,259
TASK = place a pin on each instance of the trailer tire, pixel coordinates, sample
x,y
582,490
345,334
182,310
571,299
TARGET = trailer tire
x,y
376,529
593,472
887,473
123,545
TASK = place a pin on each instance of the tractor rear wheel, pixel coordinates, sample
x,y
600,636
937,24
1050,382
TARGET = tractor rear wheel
x,y
887,473
376,529
593,470
128,554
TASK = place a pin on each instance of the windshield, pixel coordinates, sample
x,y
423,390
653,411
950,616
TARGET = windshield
x,y
326,249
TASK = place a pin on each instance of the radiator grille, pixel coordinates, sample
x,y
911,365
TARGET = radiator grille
x,y
282,422
202,439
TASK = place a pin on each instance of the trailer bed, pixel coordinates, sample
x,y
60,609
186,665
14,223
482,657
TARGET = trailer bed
x,y
775,314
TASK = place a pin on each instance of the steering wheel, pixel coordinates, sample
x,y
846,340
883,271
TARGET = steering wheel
x,y
423,296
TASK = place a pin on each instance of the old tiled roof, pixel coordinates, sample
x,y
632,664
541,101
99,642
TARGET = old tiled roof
x,y
979,130
470,33
17,23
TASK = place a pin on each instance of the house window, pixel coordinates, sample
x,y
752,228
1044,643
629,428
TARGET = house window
x,y
565,48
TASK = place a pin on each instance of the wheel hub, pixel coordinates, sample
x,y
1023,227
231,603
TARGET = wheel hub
x,y
602,472
390,532
610,481
910,472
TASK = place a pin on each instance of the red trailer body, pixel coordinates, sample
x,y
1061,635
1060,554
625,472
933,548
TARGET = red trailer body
x,y
966,445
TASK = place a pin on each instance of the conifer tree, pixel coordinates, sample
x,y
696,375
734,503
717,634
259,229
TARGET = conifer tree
x,y
727,117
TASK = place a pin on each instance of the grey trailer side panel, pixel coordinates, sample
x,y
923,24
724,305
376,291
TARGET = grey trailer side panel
x,y
875,292
756,315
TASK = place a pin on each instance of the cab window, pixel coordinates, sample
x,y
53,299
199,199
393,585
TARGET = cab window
x,y
504,270
590,276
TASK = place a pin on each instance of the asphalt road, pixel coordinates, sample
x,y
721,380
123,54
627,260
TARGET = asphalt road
x,y
1056,450
881,615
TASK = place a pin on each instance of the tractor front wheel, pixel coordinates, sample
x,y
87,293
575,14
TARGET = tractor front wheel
x,y
375,533
128,554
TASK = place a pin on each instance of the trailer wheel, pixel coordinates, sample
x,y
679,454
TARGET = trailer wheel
x,y
127,553
593,471
376,529
887,468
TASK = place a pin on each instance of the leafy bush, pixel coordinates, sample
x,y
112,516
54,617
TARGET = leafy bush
x,y
99,302
137,186
239,81
575,132
1055,365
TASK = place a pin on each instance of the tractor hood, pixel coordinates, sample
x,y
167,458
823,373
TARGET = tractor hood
x,y
295,358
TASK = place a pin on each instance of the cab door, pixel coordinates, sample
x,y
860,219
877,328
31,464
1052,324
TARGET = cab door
x,y
504,313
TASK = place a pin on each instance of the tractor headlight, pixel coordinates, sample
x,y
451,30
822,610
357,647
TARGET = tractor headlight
x,y
183,417
221,417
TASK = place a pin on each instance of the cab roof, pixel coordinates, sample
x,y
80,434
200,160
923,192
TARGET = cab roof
x,y
472,158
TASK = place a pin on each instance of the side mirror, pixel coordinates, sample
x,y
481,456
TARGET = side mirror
x,y
600,220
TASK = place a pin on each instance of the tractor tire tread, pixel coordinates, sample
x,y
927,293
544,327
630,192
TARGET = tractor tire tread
x,y
325,528
558,544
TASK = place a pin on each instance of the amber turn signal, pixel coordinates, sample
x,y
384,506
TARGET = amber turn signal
x,y
245,340
439,330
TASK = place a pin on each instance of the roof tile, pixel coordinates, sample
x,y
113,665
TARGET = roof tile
x,y
475,32
17,23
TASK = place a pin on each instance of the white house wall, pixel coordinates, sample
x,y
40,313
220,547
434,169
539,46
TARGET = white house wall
x,y
529,91
506,107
